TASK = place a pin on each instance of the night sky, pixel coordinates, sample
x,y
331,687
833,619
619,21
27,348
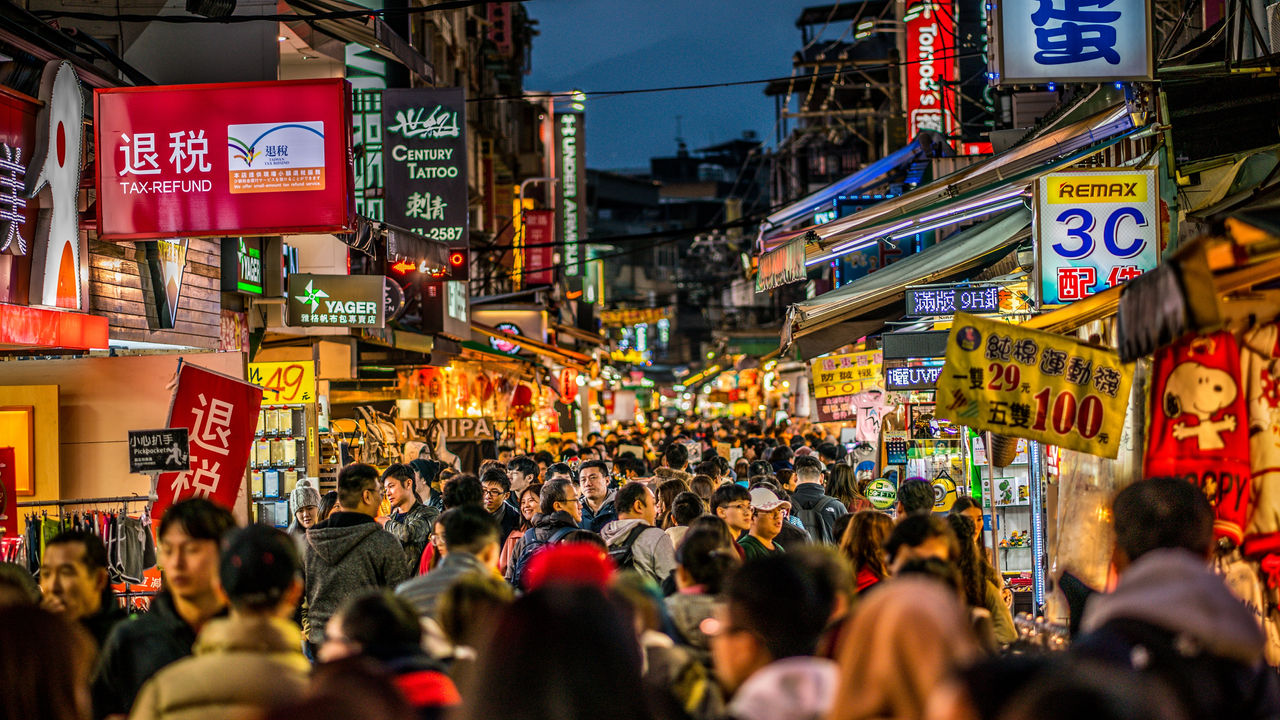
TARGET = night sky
x,y
611,45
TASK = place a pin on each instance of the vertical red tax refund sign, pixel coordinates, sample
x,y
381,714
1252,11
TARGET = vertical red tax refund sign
x,y
220,414
259,158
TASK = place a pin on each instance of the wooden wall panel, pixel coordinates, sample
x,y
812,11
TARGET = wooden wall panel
x,y
118,290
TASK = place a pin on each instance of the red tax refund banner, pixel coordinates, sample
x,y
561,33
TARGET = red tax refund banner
x,y
260,158
220,414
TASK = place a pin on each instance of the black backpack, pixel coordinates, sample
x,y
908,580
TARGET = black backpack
x,y
622,555
817,521
532,544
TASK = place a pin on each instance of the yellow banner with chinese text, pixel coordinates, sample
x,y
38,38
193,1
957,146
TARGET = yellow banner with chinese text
x,y
847,374
1034,385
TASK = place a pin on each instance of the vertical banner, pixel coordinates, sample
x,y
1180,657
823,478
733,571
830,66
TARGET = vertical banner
x,y
424,158
539,241
931,68
571,167
220,414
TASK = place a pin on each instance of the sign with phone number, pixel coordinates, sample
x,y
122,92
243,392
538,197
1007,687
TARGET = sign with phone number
x,y
1034,385
1095,229
285,382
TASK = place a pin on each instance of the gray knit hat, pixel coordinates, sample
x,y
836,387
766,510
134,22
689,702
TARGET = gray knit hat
x,y
304,495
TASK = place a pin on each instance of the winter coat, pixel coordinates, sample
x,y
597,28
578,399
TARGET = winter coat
x,y
424,591
507,518
817,511
794,688
239,666
663,474
1173,617
100,624
347,553
137,649
545,527
595,520
687,611
652,552
413,530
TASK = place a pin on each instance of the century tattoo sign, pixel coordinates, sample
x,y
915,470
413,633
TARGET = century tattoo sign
x,y
425,161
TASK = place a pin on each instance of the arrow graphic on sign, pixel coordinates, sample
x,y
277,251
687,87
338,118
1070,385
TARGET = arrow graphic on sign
x,y
403,266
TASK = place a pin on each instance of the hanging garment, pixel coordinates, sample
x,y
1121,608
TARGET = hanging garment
x,y
1198,426
1260,363
130,548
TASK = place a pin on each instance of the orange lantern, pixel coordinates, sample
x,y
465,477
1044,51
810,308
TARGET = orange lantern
x,y
568,386
522,402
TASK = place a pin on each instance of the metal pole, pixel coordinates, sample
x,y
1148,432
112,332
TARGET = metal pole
x,y
990,495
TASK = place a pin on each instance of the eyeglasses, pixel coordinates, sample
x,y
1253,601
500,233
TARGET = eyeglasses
x,y
494,492
744,507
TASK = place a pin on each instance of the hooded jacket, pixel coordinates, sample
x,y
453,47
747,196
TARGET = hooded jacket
x,y
424,591
347,553
794,688
652,551
239,666
688,610
1171,615
545,528
595,520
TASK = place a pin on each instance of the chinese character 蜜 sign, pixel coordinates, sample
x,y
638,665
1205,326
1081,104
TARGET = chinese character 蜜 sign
x,y
1074,40
1095,229
425,161
1034,385
837,378
261,158
220,415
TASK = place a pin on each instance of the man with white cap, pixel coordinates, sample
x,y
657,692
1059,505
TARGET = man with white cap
x,y
766,522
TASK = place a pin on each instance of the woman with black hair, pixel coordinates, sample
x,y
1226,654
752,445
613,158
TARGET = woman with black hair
x,y
702,565
979,591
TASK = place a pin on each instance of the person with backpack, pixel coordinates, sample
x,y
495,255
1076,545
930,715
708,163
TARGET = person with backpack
x,y
810,503
561,511
633,541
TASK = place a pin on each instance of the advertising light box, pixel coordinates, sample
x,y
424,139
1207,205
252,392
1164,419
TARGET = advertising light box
x,y
261,158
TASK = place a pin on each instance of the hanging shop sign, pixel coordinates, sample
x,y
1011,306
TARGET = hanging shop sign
x,y
445,309
468,428
539,247
285,382
336,301
838,379
506,347
424,161
1095,229
640,316
931,68
783,265
934,301
159,451
260,158
571,167
167,264
911,377
220,415
1034,385
1073,41
242,267
882,494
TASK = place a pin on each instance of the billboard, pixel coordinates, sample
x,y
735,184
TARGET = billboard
x,y
424,158
259,158
571,167
931,68
1074,41
1095,229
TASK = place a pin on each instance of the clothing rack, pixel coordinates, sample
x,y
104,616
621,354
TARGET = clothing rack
x,y
88,501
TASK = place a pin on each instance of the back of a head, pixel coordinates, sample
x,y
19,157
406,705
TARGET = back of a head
x,y
864,540
462,490
829,452
385,625
559,469
808,469
468,529
702,554
916,497
709,467
46,662
1097,692
676,456
902,641
470,606
702,486
831,575
1162,513
781,454
759,467
914,530
17,586
353,480
561,647
779,600
258,565
686,508
630,494
199,518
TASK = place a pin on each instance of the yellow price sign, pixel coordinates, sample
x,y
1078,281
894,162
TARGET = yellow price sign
x,y
1035,385
842,375
285,382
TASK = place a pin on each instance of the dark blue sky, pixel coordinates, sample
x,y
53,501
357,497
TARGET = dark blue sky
x,y
611,44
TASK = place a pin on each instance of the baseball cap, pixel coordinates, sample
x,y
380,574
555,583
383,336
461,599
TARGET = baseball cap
x,y
258,565
762,498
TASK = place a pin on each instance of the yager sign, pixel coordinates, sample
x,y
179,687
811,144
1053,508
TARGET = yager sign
x,y
335,301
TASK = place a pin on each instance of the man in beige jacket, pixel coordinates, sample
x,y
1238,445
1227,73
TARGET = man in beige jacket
x,y
249,661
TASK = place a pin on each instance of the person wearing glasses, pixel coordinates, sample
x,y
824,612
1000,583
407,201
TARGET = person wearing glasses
x,y
767,517
732,504
495,488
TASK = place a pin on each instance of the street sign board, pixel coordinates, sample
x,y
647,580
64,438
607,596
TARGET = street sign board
x,y
157,451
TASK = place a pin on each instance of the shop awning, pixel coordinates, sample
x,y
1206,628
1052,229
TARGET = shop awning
x,y
868,177
558,354
365,29
864,306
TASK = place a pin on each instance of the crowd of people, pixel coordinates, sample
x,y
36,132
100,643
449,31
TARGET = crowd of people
x,y
623,578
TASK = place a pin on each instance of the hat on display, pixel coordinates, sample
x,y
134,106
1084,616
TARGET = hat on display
x,y
762,498
258,564
304,495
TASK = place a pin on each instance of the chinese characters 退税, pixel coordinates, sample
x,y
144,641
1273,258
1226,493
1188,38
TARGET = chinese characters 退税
x,y
188,151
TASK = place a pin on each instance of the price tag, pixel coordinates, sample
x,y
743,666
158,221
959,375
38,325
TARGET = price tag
x,y
285,382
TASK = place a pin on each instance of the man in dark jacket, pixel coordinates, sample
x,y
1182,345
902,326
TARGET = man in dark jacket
x,y
190,532
496,489
75,583
811,505
1171,616
349,552
598,507
471,540
411,521
560,514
